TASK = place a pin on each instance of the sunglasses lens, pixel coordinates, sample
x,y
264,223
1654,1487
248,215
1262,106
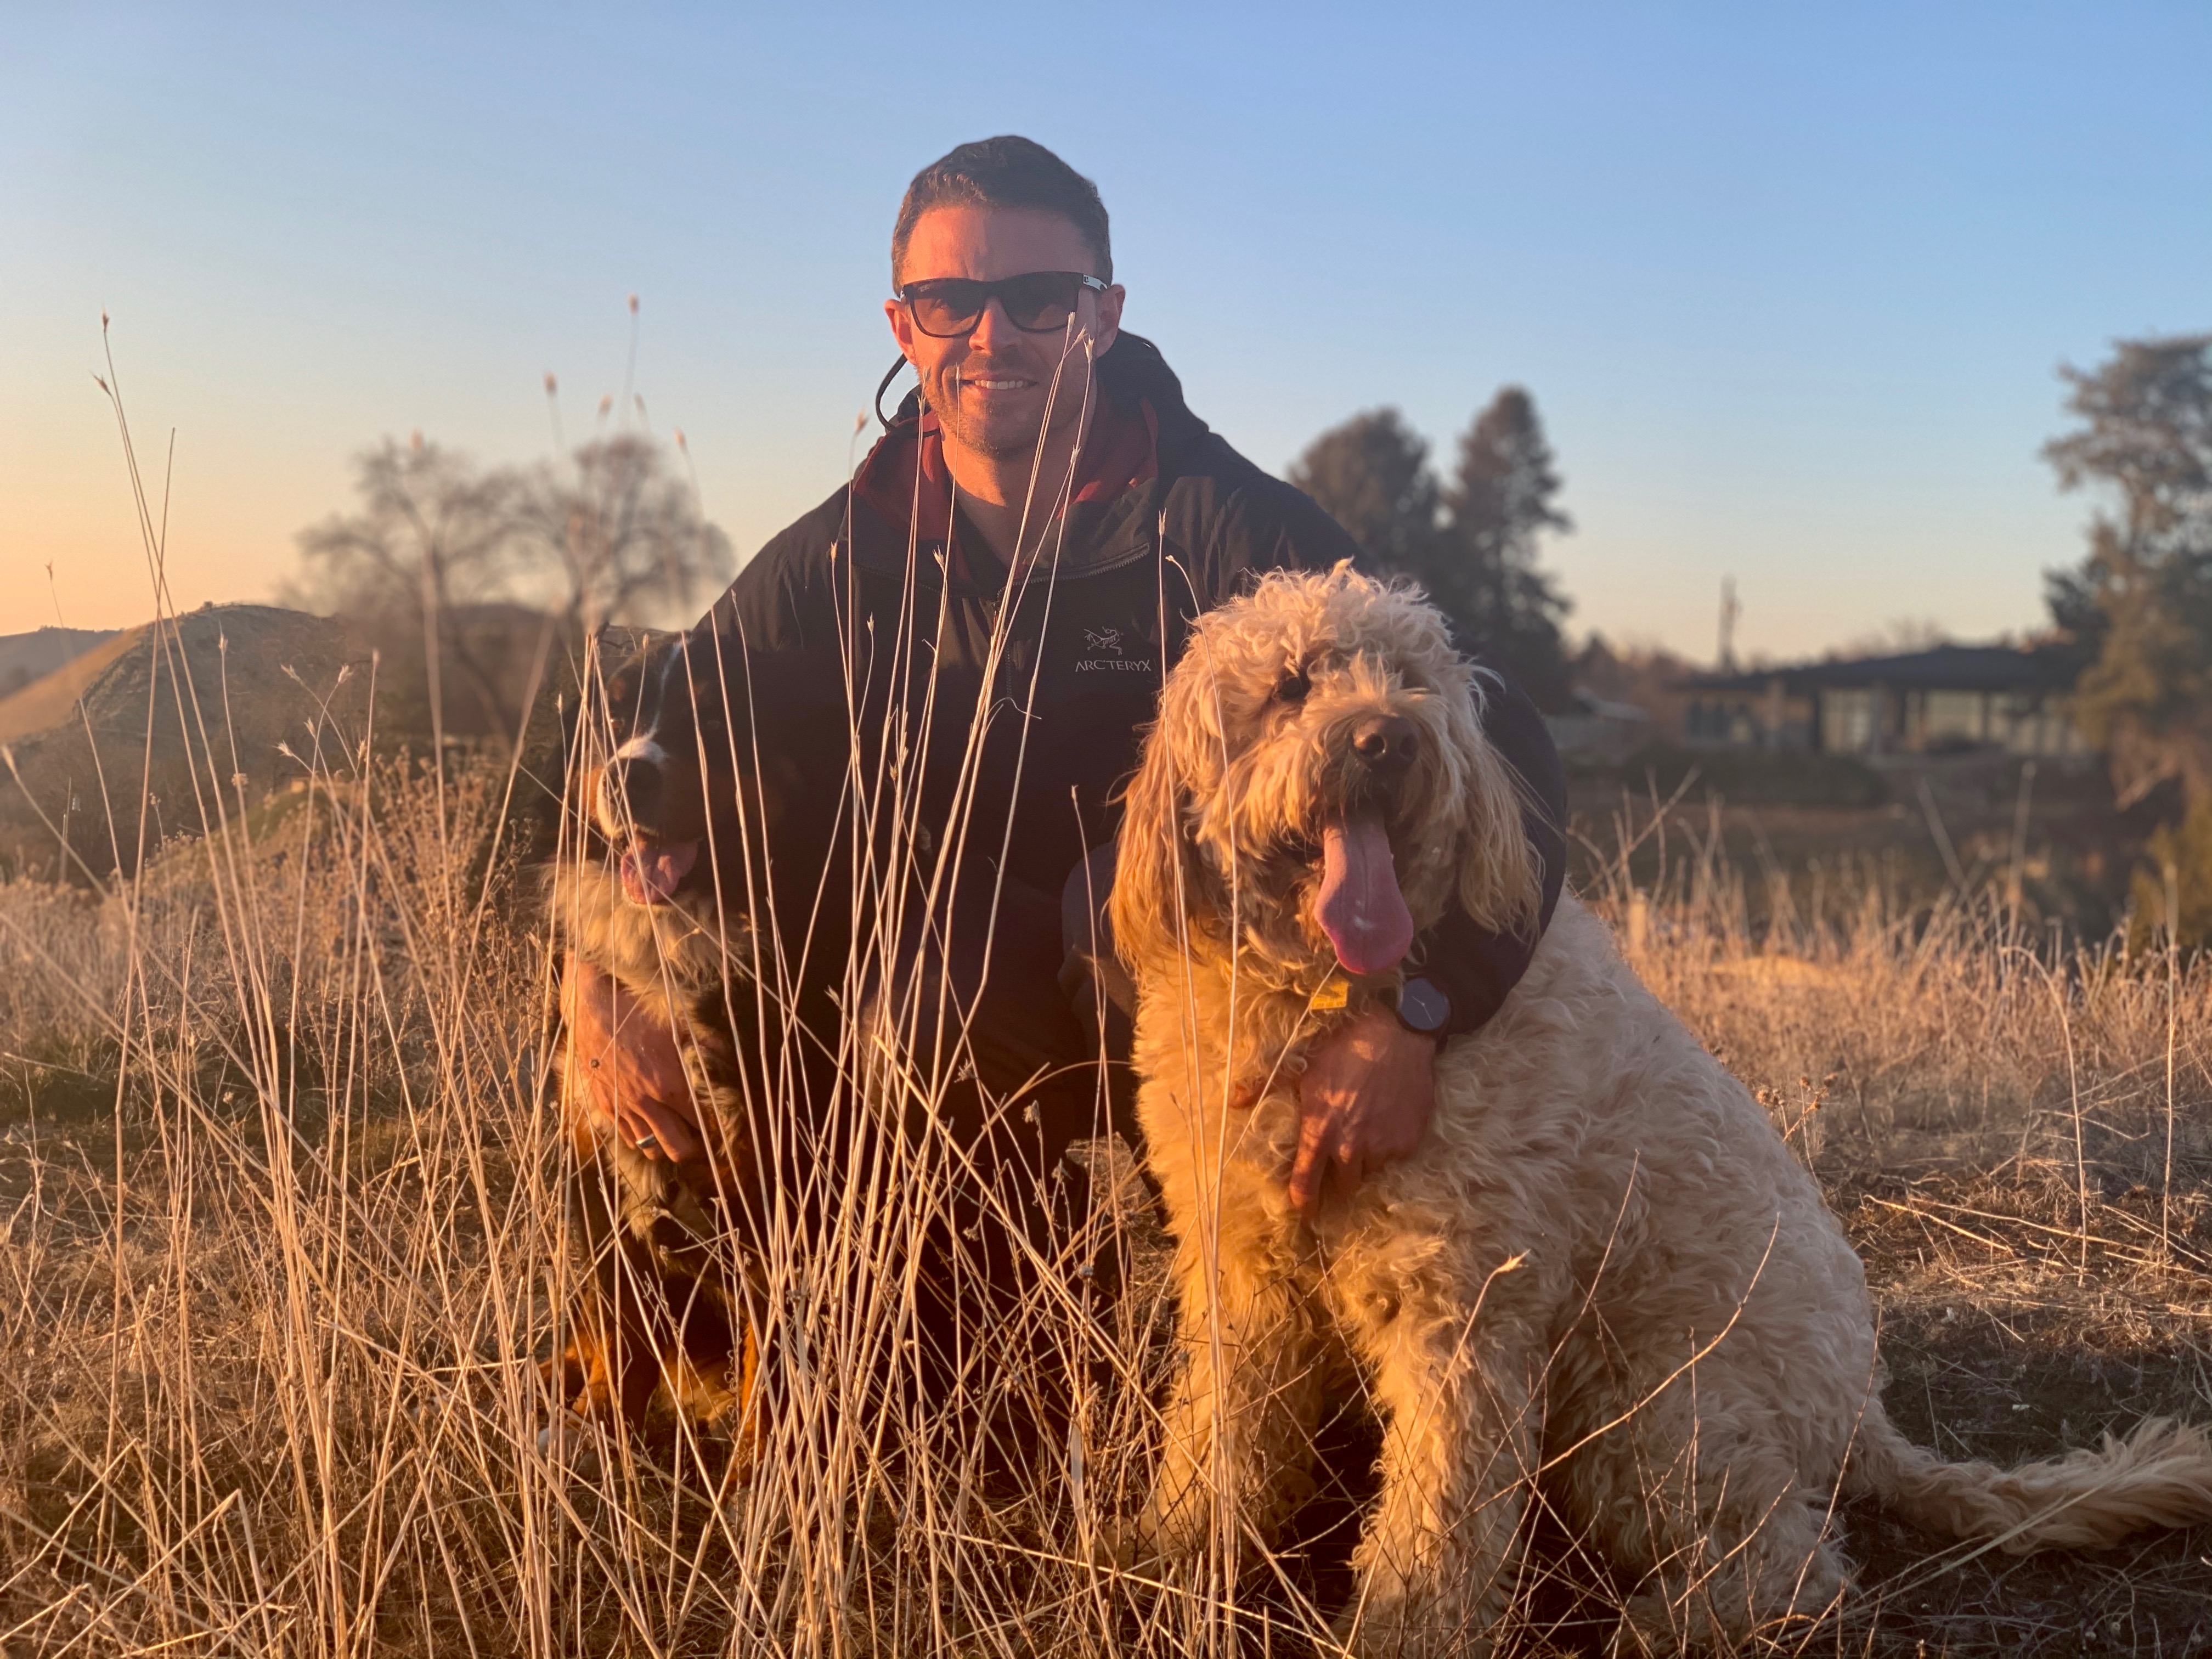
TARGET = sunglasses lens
x,y
948,308
1040,300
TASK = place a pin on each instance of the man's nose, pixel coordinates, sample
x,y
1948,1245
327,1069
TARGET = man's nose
x,y
992,328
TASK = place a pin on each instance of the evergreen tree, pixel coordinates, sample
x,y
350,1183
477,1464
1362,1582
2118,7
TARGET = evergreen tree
x,y
1473,547
1372,475
1500,502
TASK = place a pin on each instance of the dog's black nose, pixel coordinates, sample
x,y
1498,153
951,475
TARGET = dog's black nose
x,y
1386,742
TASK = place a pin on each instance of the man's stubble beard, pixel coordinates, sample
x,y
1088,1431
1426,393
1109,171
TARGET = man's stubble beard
x,y
1064,410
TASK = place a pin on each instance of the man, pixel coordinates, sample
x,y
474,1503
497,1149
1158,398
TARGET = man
x,y
997,596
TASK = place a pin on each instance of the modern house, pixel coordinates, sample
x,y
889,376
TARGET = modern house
x,y
1954,699
1598,726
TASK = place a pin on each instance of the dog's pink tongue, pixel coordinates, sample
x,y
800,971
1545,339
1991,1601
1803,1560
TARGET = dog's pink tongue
x,y
649,874
1361,909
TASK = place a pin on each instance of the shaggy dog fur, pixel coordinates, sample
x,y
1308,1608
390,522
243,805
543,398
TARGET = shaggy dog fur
x,y
1602,1284
668,814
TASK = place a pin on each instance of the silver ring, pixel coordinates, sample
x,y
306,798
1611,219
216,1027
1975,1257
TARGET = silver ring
x,y
646,1143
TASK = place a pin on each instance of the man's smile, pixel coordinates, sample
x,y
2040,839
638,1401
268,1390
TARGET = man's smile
x,y
999,382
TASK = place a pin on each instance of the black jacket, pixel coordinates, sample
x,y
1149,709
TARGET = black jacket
x,y
845,593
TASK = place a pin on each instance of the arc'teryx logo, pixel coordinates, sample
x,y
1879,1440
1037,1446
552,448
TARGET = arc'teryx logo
x,y
1107,656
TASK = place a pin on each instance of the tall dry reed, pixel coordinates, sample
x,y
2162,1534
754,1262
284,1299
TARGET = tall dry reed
x,y
282,1221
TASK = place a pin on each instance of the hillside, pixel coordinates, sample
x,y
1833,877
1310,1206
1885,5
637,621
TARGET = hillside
x,y
216,693
27,660
162,718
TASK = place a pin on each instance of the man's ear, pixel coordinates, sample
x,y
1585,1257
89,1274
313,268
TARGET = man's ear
x,y
1109,319
901,322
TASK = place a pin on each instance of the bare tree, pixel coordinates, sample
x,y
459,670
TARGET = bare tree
x,y
466,577
433,532
432,542
628,540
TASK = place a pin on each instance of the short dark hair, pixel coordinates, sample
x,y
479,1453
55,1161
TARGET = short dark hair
x,y
1006,172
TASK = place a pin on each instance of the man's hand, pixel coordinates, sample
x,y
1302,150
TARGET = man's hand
x,y
629,1064
1366,1097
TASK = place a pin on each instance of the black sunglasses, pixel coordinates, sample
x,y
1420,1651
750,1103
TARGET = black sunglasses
x,y
1036,302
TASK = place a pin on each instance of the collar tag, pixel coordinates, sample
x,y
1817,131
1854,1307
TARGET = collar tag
x,y
1336,992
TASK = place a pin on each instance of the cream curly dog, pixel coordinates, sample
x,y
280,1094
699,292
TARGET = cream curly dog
x,y
1602,1283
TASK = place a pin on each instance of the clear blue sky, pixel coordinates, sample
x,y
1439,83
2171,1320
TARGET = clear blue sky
x,y
1790,283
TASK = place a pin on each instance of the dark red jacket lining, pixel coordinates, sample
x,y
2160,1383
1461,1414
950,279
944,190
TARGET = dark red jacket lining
x,y
1121,451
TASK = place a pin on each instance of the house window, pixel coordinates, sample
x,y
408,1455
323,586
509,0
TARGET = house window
x,y
1951,718
1847,719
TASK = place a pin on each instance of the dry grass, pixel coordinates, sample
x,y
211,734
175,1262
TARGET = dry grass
x,y
2018,1133
284,1232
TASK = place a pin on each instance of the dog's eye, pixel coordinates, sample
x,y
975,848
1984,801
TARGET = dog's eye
x,y
1293,686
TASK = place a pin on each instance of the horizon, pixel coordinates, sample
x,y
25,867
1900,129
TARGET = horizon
x,y
1791,293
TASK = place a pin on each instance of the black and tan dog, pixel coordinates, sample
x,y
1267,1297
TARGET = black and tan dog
x,y
658,887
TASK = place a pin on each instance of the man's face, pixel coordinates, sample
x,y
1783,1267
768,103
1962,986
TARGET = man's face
x,y
991,388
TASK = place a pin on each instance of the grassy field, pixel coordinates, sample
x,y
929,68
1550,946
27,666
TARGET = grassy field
x,y
282,1234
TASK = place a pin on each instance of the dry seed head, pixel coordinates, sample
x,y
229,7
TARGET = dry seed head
x,y
552,385
633,305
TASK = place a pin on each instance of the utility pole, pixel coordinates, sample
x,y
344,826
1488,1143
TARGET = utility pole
x,y
1729,612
